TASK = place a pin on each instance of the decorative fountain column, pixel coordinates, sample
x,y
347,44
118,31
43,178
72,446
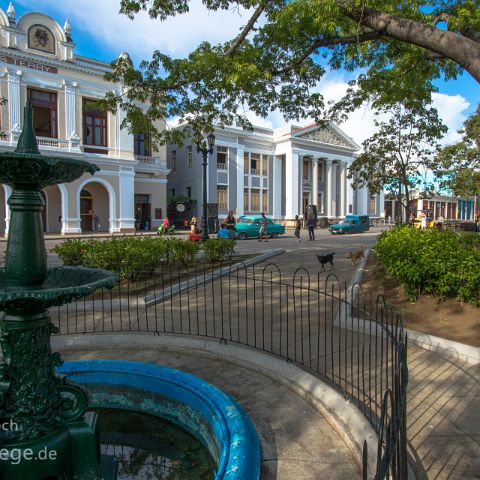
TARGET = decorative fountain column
x,y
45,432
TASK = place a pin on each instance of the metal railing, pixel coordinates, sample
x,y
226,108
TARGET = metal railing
x,y
332,331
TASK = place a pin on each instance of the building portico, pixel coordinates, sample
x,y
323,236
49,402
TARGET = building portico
x,y
279,171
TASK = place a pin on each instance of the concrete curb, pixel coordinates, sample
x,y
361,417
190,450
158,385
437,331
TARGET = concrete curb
x,y
449,348
201,279
344,417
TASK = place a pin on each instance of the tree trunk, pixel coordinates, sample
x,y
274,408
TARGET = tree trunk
x,y
462,50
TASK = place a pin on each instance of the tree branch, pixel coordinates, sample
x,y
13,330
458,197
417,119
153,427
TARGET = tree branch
x,y
248,27
459,48
329,42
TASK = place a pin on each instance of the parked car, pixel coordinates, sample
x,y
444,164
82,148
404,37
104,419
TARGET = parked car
x,y
248,226
351,224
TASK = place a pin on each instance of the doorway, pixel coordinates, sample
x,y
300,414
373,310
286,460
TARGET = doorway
x,y
86,211
143,212
305,202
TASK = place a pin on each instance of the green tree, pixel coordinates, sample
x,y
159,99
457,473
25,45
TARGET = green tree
x,y
458,165
395,156
285,48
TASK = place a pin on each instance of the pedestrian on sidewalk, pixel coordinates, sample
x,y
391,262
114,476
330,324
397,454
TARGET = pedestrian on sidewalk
x,y
263,228
298,226
311,224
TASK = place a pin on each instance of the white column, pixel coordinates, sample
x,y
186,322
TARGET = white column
x,y
126,220
277,187
70,110
343,189
328,183
292,187
381,199
315,183
240,176
14,100
71,116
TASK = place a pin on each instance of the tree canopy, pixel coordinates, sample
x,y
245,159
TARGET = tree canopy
x,y
458,165
401,149
284,49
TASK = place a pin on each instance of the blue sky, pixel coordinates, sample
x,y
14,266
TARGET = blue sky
x,y
100,32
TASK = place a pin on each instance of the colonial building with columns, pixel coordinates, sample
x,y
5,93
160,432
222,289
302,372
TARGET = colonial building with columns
x,y
38,63
279,171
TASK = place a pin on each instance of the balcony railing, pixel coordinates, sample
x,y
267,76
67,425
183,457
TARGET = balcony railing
x,y
221,166
153,161
52,142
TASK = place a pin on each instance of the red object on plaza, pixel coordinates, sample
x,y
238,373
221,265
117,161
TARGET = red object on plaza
x,y
195,237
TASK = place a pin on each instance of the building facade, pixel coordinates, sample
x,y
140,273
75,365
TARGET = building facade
x,y
279,171
438,207
38,63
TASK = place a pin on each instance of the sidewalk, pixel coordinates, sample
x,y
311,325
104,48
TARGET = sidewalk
x,y
297,442
444,394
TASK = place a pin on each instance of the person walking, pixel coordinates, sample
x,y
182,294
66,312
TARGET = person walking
x,y
298,226
263,228
229,223
311,227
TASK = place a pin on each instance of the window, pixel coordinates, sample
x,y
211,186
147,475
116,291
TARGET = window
x,y
320,171
44,106
254,164
189,156
173,161
265,200
246,163
373,205
254,200
246,205
306,169
94,126
265,159
141,145
222,197
158,213
173,192
222,156
189,192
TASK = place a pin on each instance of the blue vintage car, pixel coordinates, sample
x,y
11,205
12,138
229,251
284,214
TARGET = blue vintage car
x,y
248,226
351,224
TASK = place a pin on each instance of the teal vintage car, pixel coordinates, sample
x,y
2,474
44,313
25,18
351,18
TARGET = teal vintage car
x,y
351,224
248,226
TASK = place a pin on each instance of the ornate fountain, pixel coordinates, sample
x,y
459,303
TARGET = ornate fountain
x,y
45,431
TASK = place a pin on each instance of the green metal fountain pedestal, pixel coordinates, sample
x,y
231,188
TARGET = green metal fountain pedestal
x,y
45,431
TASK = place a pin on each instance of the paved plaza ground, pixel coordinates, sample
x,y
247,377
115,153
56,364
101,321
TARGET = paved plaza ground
x,y
444,393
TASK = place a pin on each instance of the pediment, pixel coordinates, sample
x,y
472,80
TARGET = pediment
x,y
327,134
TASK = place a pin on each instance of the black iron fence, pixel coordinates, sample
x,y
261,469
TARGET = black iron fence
x,y
331,330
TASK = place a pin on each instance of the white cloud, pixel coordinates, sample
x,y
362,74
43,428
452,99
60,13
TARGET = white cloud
x,y
452,110
176,36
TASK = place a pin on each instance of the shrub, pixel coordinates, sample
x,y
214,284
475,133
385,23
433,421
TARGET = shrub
x,y
217,249
71,251
443,263
127,256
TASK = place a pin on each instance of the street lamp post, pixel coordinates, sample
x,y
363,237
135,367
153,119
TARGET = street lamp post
x,y
205,148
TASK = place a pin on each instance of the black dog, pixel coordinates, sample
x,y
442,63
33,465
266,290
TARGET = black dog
x,y
324,259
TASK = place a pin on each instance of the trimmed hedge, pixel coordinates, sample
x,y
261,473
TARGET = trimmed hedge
x,y
443,263
217,248
130,256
